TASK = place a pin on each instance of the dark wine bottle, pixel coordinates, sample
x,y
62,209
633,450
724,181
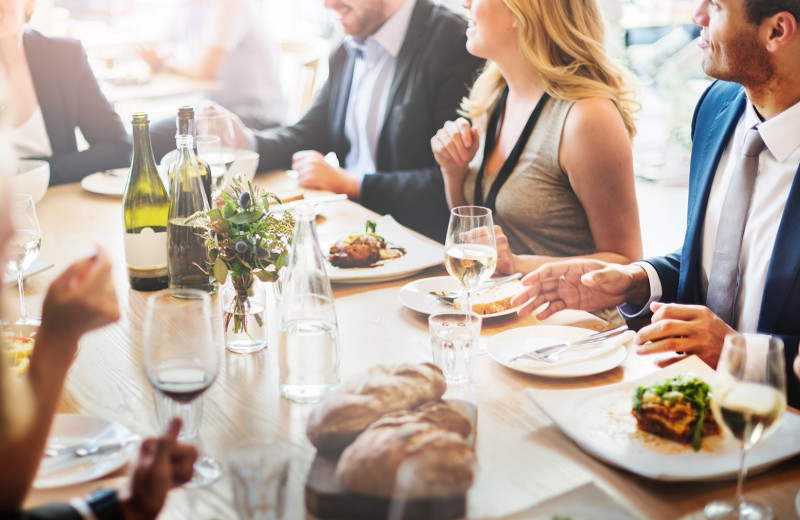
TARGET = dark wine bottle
x,y
187,255
146,207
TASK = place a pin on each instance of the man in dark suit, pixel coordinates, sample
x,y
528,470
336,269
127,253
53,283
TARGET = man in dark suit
x,y
400,73
753,48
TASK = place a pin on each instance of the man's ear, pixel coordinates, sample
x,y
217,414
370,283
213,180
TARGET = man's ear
x,y
780,29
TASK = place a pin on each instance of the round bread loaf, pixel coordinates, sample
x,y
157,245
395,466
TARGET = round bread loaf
x,y
360,401
434,462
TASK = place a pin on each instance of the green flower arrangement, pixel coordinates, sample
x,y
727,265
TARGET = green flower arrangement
x,y
245,241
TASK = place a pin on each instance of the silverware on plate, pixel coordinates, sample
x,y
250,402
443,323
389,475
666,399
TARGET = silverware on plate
x,y
86,449
552,353
451,296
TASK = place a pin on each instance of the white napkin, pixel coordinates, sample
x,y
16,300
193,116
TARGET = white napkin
x,y
577,354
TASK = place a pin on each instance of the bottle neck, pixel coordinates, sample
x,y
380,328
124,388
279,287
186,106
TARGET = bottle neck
x,y
142,149
186,126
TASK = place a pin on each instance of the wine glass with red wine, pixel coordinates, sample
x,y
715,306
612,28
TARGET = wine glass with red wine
x,y
181,359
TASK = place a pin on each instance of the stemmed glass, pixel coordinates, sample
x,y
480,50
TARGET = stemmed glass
x,y
181,359
748,399
209,148
470,250
220,125
24,248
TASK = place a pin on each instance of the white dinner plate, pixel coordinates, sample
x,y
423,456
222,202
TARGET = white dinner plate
x,y
414,295
70,430
599,420
582,361
111,184
420,255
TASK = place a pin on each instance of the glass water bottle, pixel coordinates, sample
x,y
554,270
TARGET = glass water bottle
x,y
308,350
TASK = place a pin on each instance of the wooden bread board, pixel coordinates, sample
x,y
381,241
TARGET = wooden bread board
x,y
326,498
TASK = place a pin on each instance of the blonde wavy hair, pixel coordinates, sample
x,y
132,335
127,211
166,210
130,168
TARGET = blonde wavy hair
x,y
563,42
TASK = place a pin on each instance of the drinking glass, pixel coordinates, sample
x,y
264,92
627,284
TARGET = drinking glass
x,y
259,471
748,399
454,341
23,248
209,148
220,125
181,358
470,250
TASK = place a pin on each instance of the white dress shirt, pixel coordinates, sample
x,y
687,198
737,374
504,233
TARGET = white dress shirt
x,y
30,139
777,167
376,58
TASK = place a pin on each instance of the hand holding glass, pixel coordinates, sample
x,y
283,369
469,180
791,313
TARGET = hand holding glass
x,y
470,250
748,400
24,247
181,359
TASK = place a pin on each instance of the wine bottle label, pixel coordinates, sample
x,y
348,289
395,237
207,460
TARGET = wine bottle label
x,y
146,250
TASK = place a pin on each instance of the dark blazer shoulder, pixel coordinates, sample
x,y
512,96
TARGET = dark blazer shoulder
x,y
38,44
716,97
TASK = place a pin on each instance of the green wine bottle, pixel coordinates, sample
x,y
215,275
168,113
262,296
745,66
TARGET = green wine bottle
x,y
186,125
187,255
146,206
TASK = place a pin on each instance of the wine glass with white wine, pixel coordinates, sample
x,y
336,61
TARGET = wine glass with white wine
x,y
470,250
748,399
181,358
24,248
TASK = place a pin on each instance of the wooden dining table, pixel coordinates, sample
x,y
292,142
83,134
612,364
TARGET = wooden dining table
x,y
524,458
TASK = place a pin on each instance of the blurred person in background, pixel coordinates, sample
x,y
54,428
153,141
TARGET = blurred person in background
x,y
399,74
226,41
54,92
549,146
81,299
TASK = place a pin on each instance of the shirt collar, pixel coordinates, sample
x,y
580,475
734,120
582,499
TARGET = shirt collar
x,y
781,133
391,35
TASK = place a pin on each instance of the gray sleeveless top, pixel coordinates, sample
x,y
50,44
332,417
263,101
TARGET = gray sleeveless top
x,y
536,206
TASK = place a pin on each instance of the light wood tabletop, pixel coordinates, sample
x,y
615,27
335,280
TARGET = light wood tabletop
x,y
524,459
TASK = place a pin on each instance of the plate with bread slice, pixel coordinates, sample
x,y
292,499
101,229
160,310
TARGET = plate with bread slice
x,y
490,303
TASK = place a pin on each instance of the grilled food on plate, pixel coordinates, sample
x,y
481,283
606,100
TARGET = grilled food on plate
x,y
363,250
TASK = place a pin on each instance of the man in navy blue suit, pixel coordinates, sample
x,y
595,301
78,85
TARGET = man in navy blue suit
x,y
752,47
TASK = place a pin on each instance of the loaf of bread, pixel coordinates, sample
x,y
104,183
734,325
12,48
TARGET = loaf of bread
x,y
428,460
491,301
357,403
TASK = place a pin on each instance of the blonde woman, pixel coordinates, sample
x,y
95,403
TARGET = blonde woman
x,y
549,150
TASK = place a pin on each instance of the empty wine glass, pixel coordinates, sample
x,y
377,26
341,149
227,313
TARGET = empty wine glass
x,y
23,248
181,359
748,399
470,250
220,125
209,148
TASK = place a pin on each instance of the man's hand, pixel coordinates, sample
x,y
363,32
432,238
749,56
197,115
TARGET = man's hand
x,y
163,464
690,329
505,258
315,173
454,146
588,285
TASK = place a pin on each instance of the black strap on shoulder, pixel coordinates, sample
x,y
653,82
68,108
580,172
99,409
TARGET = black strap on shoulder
x,y
510,162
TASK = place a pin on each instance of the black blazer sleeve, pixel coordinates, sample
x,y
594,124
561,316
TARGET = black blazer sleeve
x,y
54,511
70,98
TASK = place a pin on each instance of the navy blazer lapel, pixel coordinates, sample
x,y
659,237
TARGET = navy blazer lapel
x,y
44,78
713,139
783,266
415,34
340,95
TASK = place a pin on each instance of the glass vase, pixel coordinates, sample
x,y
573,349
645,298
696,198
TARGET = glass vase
x,y
244,307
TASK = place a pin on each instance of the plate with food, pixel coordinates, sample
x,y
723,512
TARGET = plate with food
x,y
383,251
106,445
17,350
623,425
493,302
578,361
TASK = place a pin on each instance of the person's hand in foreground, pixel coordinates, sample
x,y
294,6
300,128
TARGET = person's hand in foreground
x,y
163,464
315,173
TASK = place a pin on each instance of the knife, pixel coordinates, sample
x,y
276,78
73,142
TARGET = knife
x,y
317,200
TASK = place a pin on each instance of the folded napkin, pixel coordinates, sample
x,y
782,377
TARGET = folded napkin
x,y
577,354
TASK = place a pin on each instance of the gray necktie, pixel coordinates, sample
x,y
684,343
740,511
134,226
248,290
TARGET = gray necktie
x,y
723,283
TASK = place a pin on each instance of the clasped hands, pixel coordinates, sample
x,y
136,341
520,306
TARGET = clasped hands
x,y
593,285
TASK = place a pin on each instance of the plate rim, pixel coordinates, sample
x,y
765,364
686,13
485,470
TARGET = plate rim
x,y
406,288
124,454
87,181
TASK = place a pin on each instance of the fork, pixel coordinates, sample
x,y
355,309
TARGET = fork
x,y
552,353
451,296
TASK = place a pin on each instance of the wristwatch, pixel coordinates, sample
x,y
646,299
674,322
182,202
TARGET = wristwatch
x,y
105,504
